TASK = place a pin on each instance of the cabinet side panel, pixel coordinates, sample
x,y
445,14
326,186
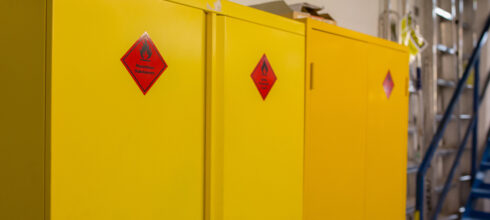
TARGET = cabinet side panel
x,y
22,69
386,151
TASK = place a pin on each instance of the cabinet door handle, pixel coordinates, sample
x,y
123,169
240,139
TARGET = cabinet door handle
x,y
407,86
311,75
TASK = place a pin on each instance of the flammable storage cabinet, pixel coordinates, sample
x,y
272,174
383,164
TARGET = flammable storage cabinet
x,y
102,113
356,125
255,115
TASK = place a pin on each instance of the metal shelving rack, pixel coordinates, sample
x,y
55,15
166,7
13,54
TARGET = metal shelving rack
x,y
447,25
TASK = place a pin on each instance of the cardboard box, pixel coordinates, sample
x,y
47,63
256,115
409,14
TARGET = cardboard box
x,y
295,11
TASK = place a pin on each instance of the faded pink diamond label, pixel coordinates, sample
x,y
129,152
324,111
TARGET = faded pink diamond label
x,y
388,85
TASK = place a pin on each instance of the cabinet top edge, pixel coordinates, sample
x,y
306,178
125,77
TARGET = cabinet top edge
x,y
312,24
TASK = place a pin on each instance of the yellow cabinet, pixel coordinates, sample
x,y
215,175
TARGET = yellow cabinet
x,y
356,125
255,116
107,141
195,109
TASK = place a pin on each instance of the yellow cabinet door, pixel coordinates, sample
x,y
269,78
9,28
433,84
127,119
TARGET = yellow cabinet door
x,y
261,134
386,151
117,153
335,127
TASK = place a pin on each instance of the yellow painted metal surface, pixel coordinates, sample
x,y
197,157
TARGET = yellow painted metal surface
x,y
355,147
255,159
335,126
116,153
22,109
386,151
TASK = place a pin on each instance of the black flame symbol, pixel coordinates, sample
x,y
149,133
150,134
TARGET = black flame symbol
x,y
264,69
145,48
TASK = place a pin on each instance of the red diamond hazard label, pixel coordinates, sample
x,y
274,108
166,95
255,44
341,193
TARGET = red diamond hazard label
x,y
388,85
264,77
144,62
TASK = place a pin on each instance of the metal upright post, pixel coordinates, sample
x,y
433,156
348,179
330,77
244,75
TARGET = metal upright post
x,y
474,147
